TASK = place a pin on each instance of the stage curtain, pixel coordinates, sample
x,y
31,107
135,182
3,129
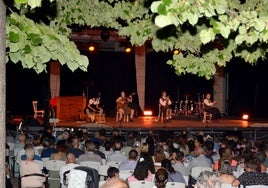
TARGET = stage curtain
x,y
54,79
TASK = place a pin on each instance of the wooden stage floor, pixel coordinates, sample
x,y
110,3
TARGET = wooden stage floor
x,y
150,123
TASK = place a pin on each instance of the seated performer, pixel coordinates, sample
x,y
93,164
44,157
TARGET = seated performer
x,y
123,107
210,108
93,108
164,106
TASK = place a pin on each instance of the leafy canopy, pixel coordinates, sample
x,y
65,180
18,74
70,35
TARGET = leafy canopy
x,y
208,33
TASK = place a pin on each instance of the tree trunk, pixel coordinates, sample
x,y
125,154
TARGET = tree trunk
x,y
2,92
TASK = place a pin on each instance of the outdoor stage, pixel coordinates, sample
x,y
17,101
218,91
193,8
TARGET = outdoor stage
x,y
253,129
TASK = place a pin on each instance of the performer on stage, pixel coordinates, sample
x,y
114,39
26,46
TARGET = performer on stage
x,y
123,106
164,105
93,107
209,107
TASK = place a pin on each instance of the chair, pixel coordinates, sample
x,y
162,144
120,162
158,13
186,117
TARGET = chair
x,y
54,165
36,180
198,169
186,178
227,185
103,171
113,163
124,174
92,164
256,186
125,117
141,184
175,185
37,113
206,117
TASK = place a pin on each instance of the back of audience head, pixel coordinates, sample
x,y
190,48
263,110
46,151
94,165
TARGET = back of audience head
x,y
115,183
113,172
207,179
252,164
133,155
70,158
168,166
90,146
141,170
161,178
29,152
225,168
117,145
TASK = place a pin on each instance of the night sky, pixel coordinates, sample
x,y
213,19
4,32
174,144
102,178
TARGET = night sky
x,y
111,72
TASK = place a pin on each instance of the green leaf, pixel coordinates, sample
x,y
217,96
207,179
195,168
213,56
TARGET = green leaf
x,y
162,9
13,37
27,49
154,6
193,18
259,25
34,3
36,41
207,36
162,21
167,2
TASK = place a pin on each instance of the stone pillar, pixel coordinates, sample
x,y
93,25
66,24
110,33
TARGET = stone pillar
x,y
219,89
140,58
2,92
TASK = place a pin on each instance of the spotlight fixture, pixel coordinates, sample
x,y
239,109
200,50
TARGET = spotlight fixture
x,y
128,48
147,113
245,116
91,48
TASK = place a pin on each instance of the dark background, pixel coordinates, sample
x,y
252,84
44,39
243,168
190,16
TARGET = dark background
x,y
110,73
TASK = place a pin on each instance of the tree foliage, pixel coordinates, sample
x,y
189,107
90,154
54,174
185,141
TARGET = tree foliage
x,y
208,33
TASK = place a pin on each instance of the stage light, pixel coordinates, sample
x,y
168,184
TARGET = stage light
x,y
91,48
147,113
245,116
176,52
128,49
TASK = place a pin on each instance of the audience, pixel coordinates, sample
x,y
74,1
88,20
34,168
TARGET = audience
x,y
173,176
207,179
70,164
28,166
161,178
89,154
141,172
252,174
131,163
113,172
225,173
117,156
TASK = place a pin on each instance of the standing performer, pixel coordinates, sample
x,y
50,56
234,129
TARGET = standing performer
x,y
210,108
164,103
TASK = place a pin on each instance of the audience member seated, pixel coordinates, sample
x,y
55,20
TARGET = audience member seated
x,y
113,172
131,163
207,179
115,183
159,154
200,160
46,153
36,157
117,156
225,154
141,172
144,153
225,173
59,155
173,176
75,147
65,138
28,166
161,178
252,174
38,147
89,154
70,164
177,159
97,150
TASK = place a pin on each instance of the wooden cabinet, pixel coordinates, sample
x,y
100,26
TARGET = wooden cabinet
x,y
69,107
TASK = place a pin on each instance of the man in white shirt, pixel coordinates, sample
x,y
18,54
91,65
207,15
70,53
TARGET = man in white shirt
x,y
70,164
131,163
117,156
